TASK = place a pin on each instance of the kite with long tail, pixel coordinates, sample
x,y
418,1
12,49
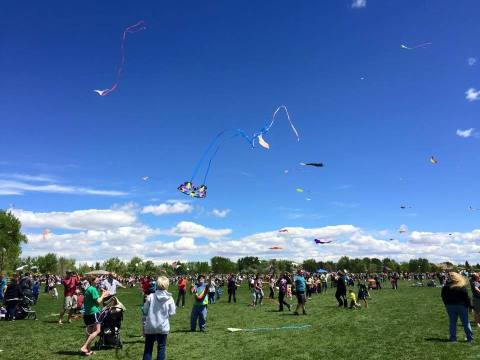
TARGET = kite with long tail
x,y
188,187
132,29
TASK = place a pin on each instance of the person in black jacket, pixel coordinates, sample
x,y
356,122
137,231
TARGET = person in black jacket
x,y
11,298
341,293
457,303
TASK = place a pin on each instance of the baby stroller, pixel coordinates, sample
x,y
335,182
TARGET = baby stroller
x,y
111,321
24,309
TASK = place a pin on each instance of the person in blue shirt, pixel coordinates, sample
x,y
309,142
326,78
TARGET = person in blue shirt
x,y
35,290
300,287
3,286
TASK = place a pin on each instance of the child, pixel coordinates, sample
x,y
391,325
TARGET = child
x,y
199,310
211,291
363,293
158,308
353,299
289,291
35,291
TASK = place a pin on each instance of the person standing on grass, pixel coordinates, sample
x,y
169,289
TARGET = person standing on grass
x,y
92,302
394,281
70,284
157,310
363,293
232,288
199,310
258,286
323,281
282,292
110,284
182,288
212,288
300,288
3,286
271,286
475,285
457,303
341,293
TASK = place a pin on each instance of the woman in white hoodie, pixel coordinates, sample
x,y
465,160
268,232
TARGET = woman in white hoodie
x,y
157,310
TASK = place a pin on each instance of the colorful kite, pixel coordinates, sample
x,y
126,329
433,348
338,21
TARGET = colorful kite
x,y
319,241
45,233
276,248
216,143
312,164
299,190
433,160
132,29
403,46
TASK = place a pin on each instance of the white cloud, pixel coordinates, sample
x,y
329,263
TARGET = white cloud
x,y
358,4
91,219
472,94
194,230
465,133
26,177
13,187
471,61
220,213
165,209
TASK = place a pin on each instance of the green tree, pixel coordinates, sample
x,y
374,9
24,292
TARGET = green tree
x,y
11,240
135,266
221,265
249,263
343,263
48,264
310,265
115,265
84,268
65,264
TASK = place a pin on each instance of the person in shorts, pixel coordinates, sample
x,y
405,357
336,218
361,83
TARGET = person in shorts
x,y
92,302
300,288
70,284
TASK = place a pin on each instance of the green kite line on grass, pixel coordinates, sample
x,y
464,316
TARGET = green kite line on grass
x,y
288,327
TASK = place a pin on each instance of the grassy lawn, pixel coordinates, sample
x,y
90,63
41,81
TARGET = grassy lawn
x,y
410,323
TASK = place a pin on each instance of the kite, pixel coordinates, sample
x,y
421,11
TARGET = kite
x,y
391,239
188,187
318,241
45,233
288,327
283,230
405,207
300,190
132,29
276,248
145,178
402,229
403,46
433,160
312,164
472,208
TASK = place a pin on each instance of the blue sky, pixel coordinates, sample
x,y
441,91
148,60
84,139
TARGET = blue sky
x,y
372,112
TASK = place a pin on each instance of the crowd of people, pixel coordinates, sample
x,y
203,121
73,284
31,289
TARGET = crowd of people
x,y
84,297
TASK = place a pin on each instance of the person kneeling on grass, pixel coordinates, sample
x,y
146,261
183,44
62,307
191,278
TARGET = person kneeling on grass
x,y
353,300
92,302
199,310
157,310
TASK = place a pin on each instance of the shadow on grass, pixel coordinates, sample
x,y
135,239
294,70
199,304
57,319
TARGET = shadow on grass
x,y
68,353
183,331
134,342
440,340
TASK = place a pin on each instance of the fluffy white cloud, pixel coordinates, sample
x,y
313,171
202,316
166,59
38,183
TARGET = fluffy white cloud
x,y
472,94
220,213
165,209
471,61
194,230
14,187
91,219
358,4
465,133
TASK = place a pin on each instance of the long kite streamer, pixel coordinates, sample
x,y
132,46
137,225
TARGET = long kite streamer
x,y
287,327
190,189
403,46
132,29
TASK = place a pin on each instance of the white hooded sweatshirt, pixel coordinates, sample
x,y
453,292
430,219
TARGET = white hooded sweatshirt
x,y
157,309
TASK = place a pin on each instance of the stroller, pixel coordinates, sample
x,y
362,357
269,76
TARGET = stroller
x,y
111,320
24,309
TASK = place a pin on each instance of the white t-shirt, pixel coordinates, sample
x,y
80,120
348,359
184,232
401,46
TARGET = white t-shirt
x,y
110,287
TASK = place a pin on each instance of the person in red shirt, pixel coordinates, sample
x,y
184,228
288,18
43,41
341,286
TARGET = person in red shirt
x,y
145,283
182,286
70,283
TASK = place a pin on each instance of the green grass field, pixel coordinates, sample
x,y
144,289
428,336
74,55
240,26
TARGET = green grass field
x,y
410,323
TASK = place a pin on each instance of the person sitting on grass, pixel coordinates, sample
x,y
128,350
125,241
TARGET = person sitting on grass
x,y
353,299
92,302
157,310
457,303
199,310
300,287
363,293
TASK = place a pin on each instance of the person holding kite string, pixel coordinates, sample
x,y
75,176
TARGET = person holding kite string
x,y
199,310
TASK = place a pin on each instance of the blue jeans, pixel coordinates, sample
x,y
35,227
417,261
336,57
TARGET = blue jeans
x,y
150,339
200,313
455,311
